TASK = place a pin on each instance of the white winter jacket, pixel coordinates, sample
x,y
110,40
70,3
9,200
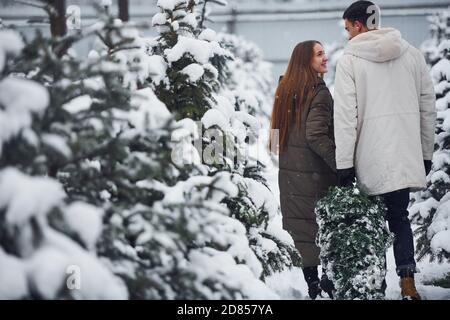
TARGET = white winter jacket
x,y
384,112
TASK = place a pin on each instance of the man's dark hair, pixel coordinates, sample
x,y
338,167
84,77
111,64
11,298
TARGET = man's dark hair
x,y
357,11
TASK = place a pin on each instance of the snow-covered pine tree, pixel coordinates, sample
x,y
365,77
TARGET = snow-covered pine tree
x,y
353,238
250,77
47,240
193,61
438,33
249,88
430,209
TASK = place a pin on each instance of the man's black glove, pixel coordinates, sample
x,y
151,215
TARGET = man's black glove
x,y
346,177
427,164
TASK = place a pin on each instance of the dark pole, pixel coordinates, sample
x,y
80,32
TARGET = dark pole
x,y
123,10
58,26
231,24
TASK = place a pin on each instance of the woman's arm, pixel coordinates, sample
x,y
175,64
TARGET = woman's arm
x,y
318,122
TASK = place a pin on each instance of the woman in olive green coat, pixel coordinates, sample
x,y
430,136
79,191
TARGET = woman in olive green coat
x,y
303,114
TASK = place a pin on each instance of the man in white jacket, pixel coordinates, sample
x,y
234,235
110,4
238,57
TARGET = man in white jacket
x,y
384,120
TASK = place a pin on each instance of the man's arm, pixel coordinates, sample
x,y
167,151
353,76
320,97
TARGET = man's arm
x,y
427,106
345,114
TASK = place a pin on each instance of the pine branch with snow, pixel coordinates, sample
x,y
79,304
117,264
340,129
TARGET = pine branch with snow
x,y
439,32
193,61
249,79
205,11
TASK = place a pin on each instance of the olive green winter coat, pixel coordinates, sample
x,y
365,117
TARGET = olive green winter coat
x,y
307,170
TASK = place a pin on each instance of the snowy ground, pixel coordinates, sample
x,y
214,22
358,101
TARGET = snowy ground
x,y
291,284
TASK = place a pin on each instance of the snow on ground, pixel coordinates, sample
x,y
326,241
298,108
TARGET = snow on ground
x,y
291,285
428,271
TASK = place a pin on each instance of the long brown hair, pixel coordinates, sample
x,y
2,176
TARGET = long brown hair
x,y
293,93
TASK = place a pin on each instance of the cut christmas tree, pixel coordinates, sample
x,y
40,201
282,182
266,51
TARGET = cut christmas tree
x,y
353,238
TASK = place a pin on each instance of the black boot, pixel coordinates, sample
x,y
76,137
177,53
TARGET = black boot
x,y
383,287
384,284
314,290
312,280
327,285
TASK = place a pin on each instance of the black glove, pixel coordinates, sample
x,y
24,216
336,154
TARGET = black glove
x,y
346,177
427,164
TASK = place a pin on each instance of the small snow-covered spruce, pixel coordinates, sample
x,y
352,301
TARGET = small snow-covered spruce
x,y
353,238
254,206
250,77
224,127
430,208
247,88
47,241
439,32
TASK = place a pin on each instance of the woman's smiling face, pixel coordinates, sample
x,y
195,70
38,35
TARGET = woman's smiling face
x,y
319,60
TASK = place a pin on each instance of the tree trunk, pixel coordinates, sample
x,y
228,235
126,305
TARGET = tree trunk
x,y
58,26
123,10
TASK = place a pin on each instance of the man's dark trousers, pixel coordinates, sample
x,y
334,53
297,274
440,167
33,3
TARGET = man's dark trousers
x,y
397,217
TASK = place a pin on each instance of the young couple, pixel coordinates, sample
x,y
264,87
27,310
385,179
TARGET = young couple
x,y
380,131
